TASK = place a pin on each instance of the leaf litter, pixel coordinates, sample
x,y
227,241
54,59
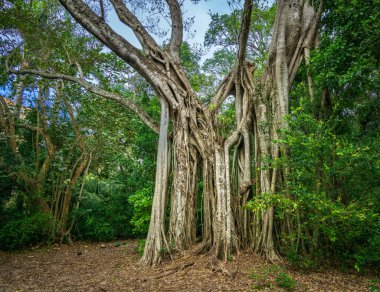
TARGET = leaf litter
x,y
115,267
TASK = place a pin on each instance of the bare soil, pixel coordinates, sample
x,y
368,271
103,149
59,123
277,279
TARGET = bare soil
x,y
108,267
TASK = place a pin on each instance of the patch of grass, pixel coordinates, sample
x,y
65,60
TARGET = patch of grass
x,y
286,281
261,279
375,285
263,276
267,276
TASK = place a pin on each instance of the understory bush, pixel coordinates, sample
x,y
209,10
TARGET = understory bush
x,y
142,204
333,188
270,275
104,213
26,231
286,281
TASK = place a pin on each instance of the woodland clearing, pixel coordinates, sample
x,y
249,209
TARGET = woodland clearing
x,y
109,267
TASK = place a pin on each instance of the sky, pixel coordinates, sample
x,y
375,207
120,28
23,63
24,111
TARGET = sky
x,y
199,11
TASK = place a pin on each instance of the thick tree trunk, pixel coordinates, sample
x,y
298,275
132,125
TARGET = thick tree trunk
x,y
156,242
225,240
184,191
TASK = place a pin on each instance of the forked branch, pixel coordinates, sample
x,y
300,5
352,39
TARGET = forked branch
x,y
129,19
97,26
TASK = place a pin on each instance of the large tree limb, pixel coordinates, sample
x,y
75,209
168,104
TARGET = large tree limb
x,y
243,36
309,35
129,19
177,28
127,103
234,78
84,15
224,90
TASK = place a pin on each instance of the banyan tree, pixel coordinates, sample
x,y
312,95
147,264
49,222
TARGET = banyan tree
x,y
191,146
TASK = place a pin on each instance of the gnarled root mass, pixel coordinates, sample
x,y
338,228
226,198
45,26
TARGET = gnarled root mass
x,y
225,163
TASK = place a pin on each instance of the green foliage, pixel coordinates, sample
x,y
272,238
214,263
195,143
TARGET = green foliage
x,y
141,202
333,186
226,120
268,275
104,213
261,278
224,31
266,200
190,57
116,194
375,285
286,281
26,231
347,64
220,64
97,230
299,261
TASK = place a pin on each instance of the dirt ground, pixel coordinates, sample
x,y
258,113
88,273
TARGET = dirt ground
x,y
108,267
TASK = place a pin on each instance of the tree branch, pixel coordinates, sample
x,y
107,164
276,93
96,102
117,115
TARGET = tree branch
x,y
227,85
127,17
177,28
30,127
131,105
102,14
84,15
224,90
243,35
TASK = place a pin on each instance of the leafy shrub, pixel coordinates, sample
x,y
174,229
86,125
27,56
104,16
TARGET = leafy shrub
x,y
375,285
104,212
98,230
303,262
142,205
261,279
264,276
267,274
26,231
286,281
331,199
368,254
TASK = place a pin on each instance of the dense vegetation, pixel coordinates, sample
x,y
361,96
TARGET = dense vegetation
x,y
76,166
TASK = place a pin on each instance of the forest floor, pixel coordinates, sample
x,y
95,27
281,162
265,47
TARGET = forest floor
x,y
109,267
